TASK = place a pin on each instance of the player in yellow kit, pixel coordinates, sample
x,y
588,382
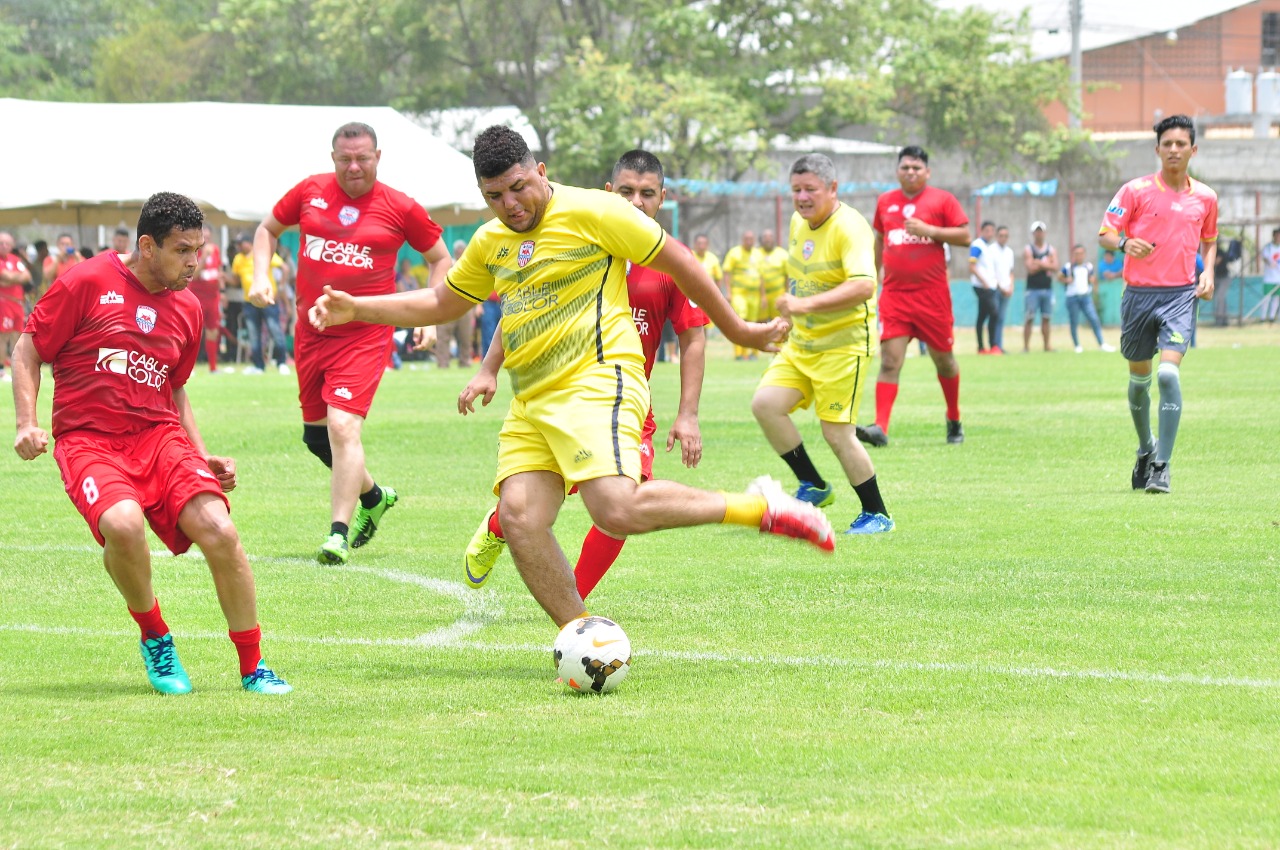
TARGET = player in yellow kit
x,y
832,304
773,273
557,257
741,268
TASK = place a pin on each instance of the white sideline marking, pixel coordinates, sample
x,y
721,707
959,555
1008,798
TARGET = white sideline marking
x,y
482,607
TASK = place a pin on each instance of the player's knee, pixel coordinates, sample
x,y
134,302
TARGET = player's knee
x,y
123,523
316,439
1167,377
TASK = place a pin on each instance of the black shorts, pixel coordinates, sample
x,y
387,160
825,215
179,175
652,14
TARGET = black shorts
x,y
1154,319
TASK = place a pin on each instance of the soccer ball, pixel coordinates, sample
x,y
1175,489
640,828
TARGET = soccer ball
x,y
592,655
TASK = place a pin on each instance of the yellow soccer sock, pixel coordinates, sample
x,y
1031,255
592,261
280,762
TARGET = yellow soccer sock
x,y
743,509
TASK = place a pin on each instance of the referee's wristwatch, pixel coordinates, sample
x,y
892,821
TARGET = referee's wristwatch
x,y
1124,240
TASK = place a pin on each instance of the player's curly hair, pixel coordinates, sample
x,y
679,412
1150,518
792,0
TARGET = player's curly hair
x,y
165,212
496,149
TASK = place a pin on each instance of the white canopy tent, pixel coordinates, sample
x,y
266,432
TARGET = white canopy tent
x,y
93,164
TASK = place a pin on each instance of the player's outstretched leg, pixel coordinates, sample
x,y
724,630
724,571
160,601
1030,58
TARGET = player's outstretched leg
x,y
486,546
373,504
791,517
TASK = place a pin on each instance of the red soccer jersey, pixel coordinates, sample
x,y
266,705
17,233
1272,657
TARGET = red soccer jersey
x,y
655,298
117,350
1175,222
915,262
208,280
350,243
12,263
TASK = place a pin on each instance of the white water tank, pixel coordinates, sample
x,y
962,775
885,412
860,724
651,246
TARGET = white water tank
x,y
1239,92
1268,101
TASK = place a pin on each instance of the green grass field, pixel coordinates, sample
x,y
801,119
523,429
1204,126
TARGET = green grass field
x,y
1037,657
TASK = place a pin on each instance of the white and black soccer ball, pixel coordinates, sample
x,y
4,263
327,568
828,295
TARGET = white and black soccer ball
x,y
592,655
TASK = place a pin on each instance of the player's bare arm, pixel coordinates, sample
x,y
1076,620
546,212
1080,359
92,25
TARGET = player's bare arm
x,y
848,294
223,468
1204,287
435,306
440,261
264,245
31,440
692,279
685,429
958,236
485,382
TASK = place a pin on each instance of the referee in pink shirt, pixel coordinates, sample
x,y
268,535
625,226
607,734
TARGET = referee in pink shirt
x,y
1159,222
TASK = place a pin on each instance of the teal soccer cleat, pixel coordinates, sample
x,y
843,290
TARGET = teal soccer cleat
x,y
264,681
164,670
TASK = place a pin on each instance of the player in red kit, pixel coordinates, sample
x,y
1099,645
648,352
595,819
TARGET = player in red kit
x,y
14,280
654,299
912,224
122,334
207,287
352,228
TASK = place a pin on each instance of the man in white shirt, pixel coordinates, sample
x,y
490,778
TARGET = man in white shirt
x,y
1270,278
1002,262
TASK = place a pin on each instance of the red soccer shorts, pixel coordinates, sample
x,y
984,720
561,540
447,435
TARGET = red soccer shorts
x,y
10,316
157,468
212,310
924,314
343,371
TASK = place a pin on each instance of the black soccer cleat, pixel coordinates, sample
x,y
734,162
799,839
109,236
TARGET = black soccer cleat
x,y
872,435
955,432
1158,480
1142,468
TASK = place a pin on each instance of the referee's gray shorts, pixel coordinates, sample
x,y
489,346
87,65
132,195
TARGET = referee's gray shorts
x,y
1156,318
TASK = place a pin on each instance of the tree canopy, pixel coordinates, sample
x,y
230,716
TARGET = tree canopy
x,y
704,82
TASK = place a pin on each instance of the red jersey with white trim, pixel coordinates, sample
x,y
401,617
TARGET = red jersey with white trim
x,y
350,243
654,299
12,263
915,262
117,350
208,280
1175,222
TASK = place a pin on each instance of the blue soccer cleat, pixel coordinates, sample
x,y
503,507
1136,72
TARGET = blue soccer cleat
x,y
869,523
264,681
819,497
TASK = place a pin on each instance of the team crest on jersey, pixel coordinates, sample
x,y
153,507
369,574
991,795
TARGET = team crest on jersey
x,y
908,210
348,215
146,318
807,251
526,253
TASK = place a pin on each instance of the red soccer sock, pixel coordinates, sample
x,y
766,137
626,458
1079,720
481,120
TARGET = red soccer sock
x,y
599,551
247,647
886,394
951,392
211,351
494,526
151,623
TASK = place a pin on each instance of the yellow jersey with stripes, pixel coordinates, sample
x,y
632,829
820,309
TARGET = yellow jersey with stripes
x,y
563,285
743,266
820,259
773,269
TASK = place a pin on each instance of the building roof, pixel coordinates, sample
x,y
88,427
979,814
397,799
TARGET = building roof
x,y
1104,23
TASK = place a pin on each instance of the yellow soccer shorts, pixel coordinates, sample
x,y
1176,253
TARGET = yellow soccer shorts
x,y
745,302
586,428
832,380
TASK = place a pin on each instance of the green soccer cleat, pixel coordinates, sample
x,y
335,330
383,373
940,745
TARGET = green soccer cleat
x,y
334,550
164,670
365,524
482,553
264,681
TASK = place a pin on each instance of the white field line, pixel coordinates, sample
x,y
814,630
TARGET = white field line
x,y
482,608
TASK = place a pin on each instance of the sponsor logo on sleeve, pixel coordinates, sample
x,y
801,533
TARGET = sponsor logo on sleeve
x,y
320,203
146,318
111,297
1115,209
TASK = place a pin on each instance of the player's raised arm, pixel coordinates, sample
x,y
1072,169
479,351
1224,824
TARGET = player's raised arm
x,y
677,261
433,306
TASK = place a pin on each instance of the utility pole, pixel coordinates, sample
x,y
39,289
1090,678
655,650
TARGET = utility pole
x,y
1077,68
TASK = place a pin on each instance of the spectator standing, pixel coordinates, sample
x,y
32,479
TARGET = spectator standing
x,y
256,318
60,261
15,279
1079,279
1041,261
982,276
457,336
742,285
1270,254
1002,260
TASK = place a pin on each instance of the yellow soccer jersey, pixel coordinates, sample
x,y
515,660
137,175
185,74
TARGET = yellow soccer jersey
x,y
744,267
563,285
773,270
711,263
841,249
